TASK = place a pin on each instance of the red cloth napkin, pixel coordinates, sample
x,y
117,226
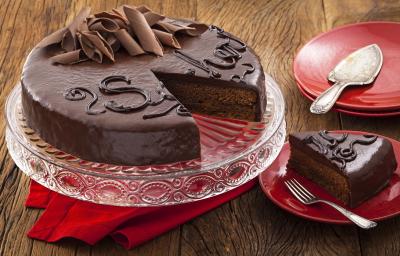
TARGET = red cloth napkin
x,y
128,226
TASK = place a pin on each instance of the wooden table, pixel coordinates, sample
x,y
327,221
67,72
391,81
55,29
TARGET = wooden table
x,y
251,224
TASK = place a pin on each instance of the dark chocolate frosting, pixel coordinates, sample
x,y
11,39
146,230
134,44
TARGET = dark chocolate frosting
x,y
367,161
121,113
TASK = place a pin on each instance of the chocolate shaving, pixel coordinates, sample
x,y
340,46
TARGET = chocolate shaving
x,y
94,46
130,45
113,41
102,34
100,43
53,38
69,57
117,17
190,28
69,42
103,25
152,18
167,38
142,30
143,9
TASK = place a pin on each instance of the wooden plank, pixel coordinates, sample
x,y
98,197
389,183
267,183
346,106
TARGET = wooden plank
x,y
17,38
383,240
251,224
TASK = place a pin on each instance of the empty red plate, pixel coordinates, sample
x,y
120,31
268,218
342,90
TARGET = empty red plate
x,y
318,57
384,205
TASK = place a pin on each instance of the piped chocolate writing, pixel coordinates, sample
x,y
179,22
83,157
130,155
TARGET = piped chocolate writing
x,y
118,107
331,146
238,78
180,110
226,55
223,34
345,155
79,93
197,63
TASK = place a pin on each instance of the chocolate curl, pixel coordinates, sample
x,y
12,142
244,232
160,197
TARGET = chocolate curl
x,y
120,11
54,38
199,28
89,49
83,26
130,45
119,18
143,9
103,25
69,57
167,38
69,42
94,46
113,42
142,30
152,18
190,28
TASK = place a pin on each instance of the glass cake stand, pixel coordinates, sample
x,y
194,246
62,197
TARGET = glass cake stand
x,y
233,152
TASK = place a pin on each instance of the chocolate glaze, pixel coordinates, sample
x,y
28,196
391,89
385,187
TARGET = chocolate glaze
x,y
366,161
127,138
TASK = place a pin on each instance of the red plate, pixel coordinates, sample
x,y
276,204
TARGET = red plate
x,y
355,112
318,57
384,205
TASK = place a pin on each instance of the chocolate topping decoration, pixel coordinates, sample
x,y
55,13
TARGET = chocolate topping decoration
x,y
142,30
226,51
197,63
223,34
333,142
117,107
101,34
180,110
321,148
344,155
333,149
79,93
239,78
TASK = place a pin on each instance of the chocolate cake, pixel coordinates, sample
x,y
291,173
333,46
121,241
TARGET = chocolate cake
x,y
119,87
351,167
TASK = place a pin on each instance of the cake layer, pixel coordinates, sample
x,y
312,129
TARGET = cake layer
x,y
90,110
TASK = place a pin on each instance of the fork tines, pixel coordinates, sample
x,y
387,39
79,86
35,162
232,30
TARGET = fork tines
x,y
300,192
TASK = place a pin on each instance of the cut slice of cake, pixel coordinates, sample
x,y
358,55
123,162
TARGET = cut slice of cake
x,y
351,167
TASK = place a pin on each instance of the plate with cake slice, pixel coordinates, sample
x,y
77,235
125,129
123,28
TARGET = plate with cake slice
x,y
354,169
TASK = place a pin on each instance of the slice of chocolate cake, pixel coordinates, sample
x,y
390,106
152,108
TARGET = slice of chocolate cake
x,y
351,167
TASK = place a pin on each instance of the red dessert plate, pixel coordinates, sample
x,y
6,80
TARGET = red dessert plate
x,y
356,112
318,57
384,205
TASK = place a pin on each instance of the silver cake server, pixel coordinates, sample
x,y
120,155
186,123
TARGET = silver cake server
x,y
359,68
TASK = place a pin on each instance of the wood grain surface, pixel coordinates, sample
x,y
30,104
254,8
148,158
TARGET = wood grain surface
x,y
251,224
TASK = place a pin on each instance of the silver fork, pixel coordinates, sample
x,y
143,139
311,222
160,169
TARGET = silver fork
x,y
306,197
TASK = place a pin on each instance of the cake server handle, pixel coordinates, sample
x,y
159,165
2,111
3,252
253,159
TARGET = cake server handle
x,y
358,220
325,101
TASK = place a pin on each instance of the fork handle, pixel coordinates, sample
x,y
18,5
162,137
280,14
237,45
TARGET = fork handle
x,y
358,220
